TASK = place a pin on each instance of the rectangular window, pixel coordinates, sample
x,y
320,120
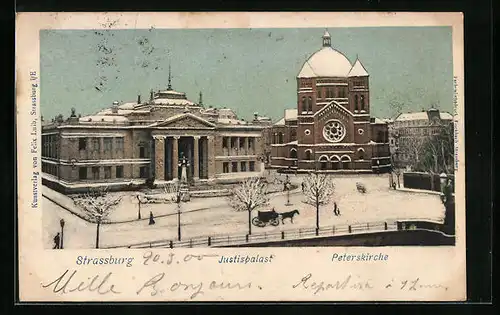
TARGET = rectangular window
x,y
251,166
224,142
107,172
143,172
108,144
142,152
243,167
233,142
82,144
96,144
234,167
251,143
119,144
242,143
95,172
119,172
225,167
82,173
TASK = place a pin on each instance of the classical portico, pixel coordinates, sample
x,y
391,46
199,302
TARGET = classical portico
x,y
169,150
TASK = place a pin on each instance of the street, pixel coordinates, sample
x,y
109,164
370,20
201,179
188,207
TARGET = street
x,y
214,216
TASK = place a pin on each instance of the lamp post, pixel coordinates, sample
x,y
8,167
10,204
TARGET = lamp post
x,y
61,222
179,198
287,187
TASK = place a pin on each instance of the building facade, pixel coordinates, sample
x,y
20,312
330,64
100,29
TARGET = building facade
x,y
409,131
136,141
331,129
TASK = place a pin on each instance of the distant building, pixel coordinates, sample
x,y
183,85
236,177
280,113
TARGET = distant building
x,y
331,128
140,140
408,132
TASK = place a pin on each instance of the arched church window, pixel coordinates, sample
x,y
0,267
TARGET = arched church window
x,y
280,138
362,102
310,104
293,153
355,102
304,104
318,94
308,154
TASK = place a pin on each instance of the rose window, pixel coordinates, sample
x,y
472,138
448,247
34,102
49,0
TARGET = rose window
x,y
334,131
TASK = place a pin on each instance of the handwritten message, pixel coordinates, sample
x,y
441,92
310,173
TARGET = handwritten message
x,y
164,281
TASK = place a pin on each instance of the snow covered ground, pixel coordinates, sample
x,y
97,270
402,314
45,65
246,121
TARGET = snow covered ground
x,y
213,216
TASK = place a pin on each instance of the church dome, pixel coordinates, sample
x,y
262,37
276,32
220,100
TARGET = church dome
x,y
326,62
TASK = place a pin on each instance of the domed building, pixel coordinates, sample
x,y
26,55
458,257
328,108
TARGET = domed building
x,y
134,143
331,129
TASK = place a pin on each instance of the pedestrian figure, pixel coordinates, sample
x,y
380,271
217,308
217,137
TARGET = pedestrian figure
x,y
57,241
336,209
303,186
151,218
394,185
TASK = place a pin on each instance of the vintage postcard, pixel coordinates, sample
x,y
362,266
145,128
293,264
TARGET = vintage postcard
x,y
240,156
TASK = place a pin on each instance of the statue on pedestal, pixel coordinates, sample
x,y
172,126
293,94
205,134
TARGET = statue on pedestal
x,y
183,164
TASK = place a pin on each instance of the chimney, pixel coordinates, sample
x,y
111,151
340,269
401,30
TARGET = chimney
x,y
139,99
114,109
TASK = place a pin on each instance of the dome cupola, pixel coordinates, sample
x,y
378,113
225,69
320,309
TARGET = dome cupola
x,y
326,62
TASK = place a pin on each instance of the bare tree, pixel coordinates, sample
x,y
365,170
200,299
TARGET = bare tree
x,y
249,195
318,189
438,150
97,205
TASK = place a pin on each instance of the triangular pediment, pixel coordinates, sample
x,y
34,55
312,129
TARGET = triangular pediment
x,y
186,120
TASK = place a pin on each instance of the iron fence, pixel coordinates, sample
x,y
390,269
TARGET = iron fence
x,y
295,234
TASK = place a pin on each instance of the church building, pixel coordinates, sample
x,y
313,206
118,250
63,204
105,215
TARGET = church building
x,y
331,129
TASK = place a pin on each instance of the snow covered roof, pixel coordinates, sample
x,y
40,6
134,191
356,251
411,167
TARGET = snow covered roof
x,y
358,70
326,62
103,118
412,116
128,105
230,121
171,92
291,114
280,122
378,121
109,111
172,101
446,116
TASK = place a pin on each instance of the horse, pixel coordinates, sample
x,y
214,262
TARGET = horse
x,y
289,214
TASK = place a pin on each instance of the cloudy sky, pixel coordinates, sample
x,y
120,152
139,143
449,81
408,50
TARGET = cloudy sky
x,y
249,70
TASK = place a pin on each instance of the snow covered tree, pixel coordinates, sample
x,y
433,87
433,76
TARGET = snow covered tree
x,y
249,195
97,205
318,189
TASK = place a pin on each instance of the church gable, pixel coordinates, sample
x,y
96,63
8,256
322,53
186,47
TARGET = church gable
x,y
334,111
186,121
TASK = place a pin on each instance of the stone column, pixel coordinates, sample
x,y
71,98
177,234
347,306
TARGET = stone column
x,y
175,157
238,139
247,149
196,160
159,157
211,156
228,143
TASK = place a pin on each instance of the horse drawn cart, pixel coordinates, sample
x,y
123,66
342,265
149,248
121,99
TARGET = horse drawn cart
x,y
265,217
